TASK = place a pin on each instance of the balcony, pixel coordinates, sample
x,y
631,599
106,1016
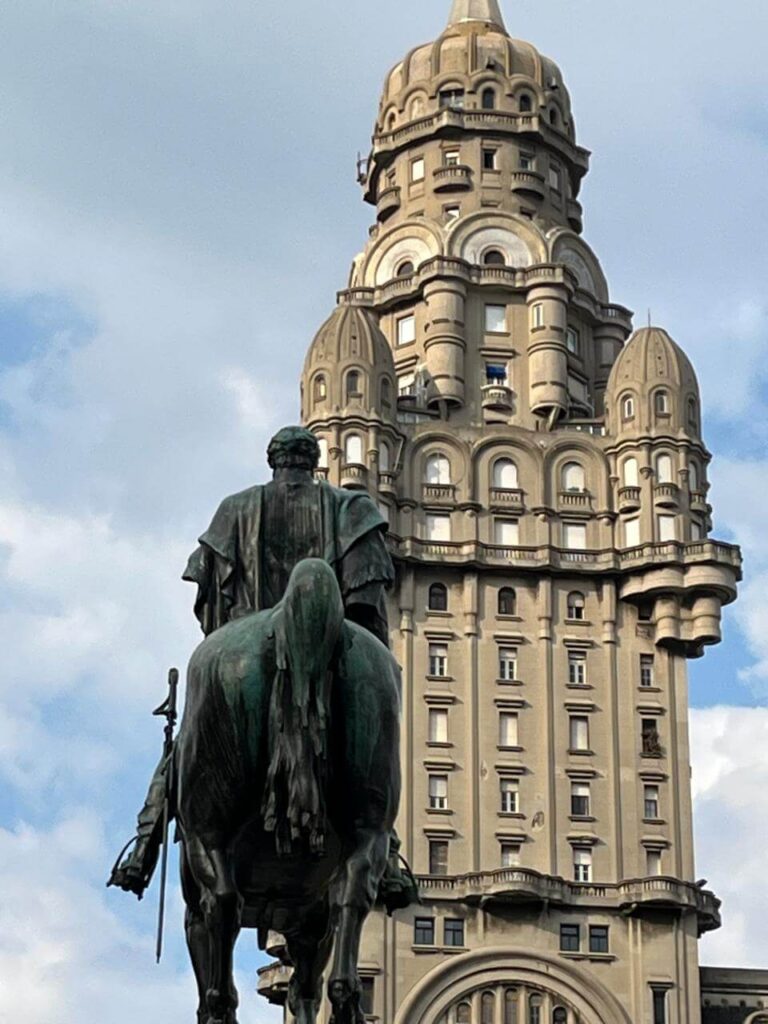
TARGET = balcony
x,y
522,885
699,502
507,498
438,494
387,483
575,501
528,183
575,215
629,499
666,495
273,981
452,178
389,202
497,396
354,476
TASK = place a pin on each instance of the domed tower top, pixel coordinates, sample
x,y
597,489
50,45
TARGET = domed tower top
x,y
348,368
653,387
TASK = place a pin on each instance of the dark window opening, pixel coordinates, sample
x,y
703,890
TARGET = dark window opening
x,y
438,598
570,938
367,995
526,104
489,99
452,98
454,931
507,601
489,159
598,938
424,931
494,258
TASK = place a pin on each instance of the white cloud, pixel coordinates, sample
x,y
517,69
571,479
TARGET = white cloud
x,y
730,786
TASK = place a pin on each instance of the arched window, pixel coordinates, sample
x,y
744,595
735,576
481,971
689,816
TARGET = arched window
x,y
507,601
554,117
353,449
494,258
629,472
628,407
694,483
510,1006
322,462
693,413
353,384
489,99
576,605
534,1009
386,392
488,1008
526,103
384,461
463,1014
438,597
661,403
392,121
405,269
559,1015
437,470
573,477
319,388
664,469
505,475
417,106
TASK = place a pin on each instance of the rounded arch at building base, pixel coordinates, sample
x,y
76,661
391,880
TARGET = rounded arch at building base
x,y
498,985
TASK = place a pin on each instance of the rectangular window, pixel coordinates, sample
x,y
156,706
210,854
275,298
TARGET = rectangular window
x,y
438,856
651,802
489,159
554,176
508,729
438,725
438,792
574,536
438,659
496,373
510,796
495,319
650,737
631,533
367,995
580,799
510,855
507,663
697,531
438,526
607,352
570,938
451,158
666,528
527,161
506,532
598,938
424,931
653,863
406,330
659,1006
572,340
453,931
451,213
647,673
453,98
417,169
577,668
537,315
406,384
582,864
579,732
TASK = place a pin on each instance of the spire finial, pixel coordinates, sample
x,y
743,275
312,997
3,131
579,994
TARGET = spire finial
x,y
476,10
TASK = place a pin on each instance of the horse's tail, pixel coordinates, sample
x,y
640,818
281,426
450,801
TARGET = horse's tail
x,y
308,625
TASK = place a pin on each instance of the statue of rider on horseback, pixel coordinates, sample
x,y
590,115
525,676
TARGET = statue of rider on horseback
x,y
284,780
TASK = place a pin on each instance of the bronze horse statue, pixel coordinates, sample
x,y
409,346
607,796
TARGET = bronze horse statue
x,y
287,786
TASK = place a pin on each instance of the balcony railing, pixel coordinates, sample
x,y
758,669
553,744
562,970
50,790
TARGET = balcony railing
x,y
273,982
386,482
440,493
452,178
508,497
698,501
575,214
667,495
354,476
629,499
575,500
528,183
497,396
389,202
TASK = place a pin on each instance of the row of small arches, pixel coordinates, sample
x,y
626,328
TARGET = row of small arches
x,y
462,1013
504,474
489,100
506,601
662,407
664,470
490,258
353,388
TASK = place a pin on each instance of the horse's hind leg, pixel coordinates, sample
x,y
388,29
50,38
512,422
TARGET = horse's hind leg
x,y
309,948
222,910
355,898
196,933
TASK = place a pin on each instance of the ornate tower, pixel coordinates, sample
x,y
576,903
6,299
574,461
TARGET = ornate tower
x,y
545,484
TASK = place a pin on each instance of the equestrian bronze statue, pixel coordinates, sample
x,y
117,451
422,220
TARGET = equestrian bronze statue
x,y
284,780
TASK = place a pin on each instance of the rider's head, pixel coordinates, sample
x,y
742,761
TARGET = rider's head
x,y
294,448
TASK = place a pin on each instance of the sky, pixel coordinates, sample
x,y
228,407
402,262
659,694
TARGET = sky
x,y
178,208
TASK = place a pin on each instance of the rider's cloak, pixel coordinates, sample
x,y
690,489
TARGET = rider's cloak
x,y
227,566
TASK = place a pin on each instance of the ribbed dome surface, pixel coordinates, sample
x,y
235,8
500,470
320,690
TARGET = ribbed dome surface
x,y
350,334
651,357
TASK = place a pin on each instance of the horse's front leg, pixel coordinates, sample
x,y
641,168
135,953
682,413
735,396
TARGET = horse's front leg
x,y
309,948
222,908
356,895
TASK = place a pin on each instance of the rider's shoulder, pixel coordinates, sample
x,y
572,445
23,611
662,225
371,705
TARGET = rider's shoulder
x,y
242,499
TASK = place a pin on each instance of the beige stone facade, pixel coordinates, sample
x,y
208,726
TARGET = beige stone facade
x,y
545,482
